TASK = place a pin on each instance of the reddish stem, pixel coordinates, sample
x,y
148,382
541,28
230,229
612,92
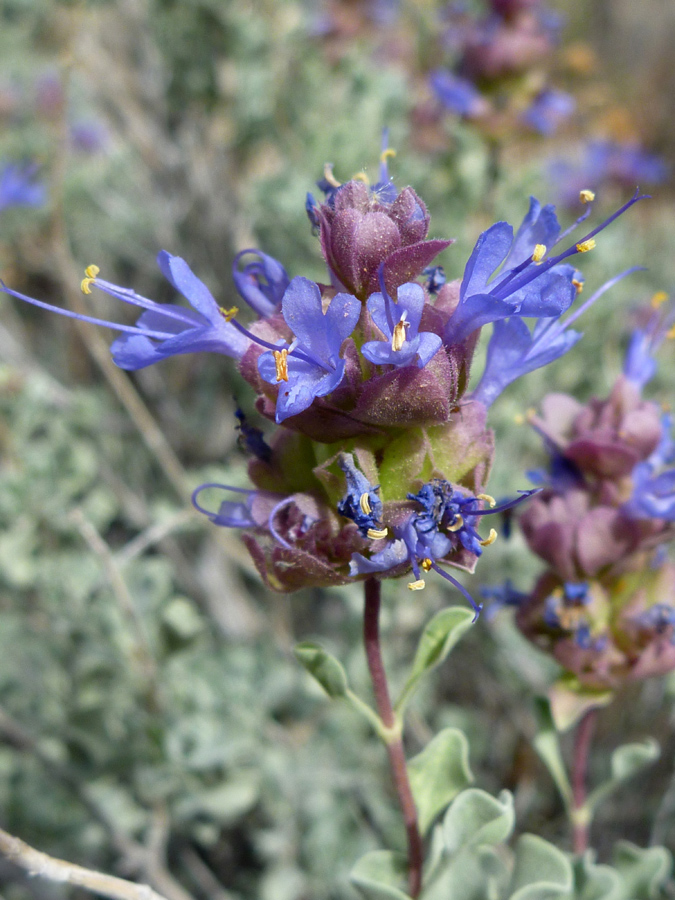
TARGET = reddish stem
x,y
397,762
582,747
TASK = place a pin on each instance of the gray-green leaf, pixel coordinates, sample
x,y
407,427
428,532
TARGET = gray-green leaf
x,y
438,639
326,669
645,872
439,773
475,817
380,875
540,872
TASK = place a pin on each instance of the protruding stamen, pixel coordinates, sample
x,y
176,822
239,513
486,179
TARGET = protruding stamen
x,y
364,503
361,176
659,298
330,178
488,498
459,523
539,253
426,564
376,534
585,246
579,285
399,334
91,272
281,362
228,314
490,539
416,585
586,196
389,153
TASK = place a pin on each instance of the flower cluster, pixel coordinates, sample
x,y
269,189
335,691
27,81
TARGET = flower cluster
x,y
380,452
491,54
605,606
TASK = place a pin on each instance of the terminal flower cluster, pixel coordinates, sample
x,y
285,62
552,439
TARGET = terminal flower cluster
x,y
605,605
377,452
490,55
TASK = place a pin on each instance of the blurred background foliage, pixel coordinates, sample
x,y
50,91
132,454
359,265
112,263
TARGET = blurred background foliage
x,y
153,720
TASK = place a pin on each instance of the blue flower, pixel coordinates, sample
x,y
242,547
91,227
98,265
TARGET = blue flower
x,y
18,186
640,365
399,322
311,366
435,278
361,502
447,522
230,514
261,282
548,110
530,283
653,494
163,329
458,95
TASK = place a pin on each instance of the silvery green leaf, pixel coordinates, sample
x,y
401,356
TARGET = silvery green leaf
x,y
475,817
645,872
323,667
439,773
540,871
627,760
438,639
381,875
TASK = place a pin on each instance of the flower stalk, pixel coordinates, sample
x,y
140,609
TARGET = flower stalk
x,y
580,813
392,734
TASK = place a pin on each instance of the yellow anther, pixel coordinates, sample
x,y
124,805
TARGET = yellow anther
x,y
228,314
389,153
281,362
658,299
579,285
539,253
426,564
416,585
586,196
489,499
585,246
376,534
519,419
91,272
399,335
459,523
328,175
361,176
364,503
490,539
670,334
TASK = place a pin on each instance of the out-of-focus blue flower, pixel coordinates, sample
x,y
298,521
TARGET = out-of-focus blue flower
x,y
261,282
501,595
88,136
530,283
653,494
640,365
361,503
399,322
251,439
19,186
163,329
311,366
549,109
458,95
605,162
